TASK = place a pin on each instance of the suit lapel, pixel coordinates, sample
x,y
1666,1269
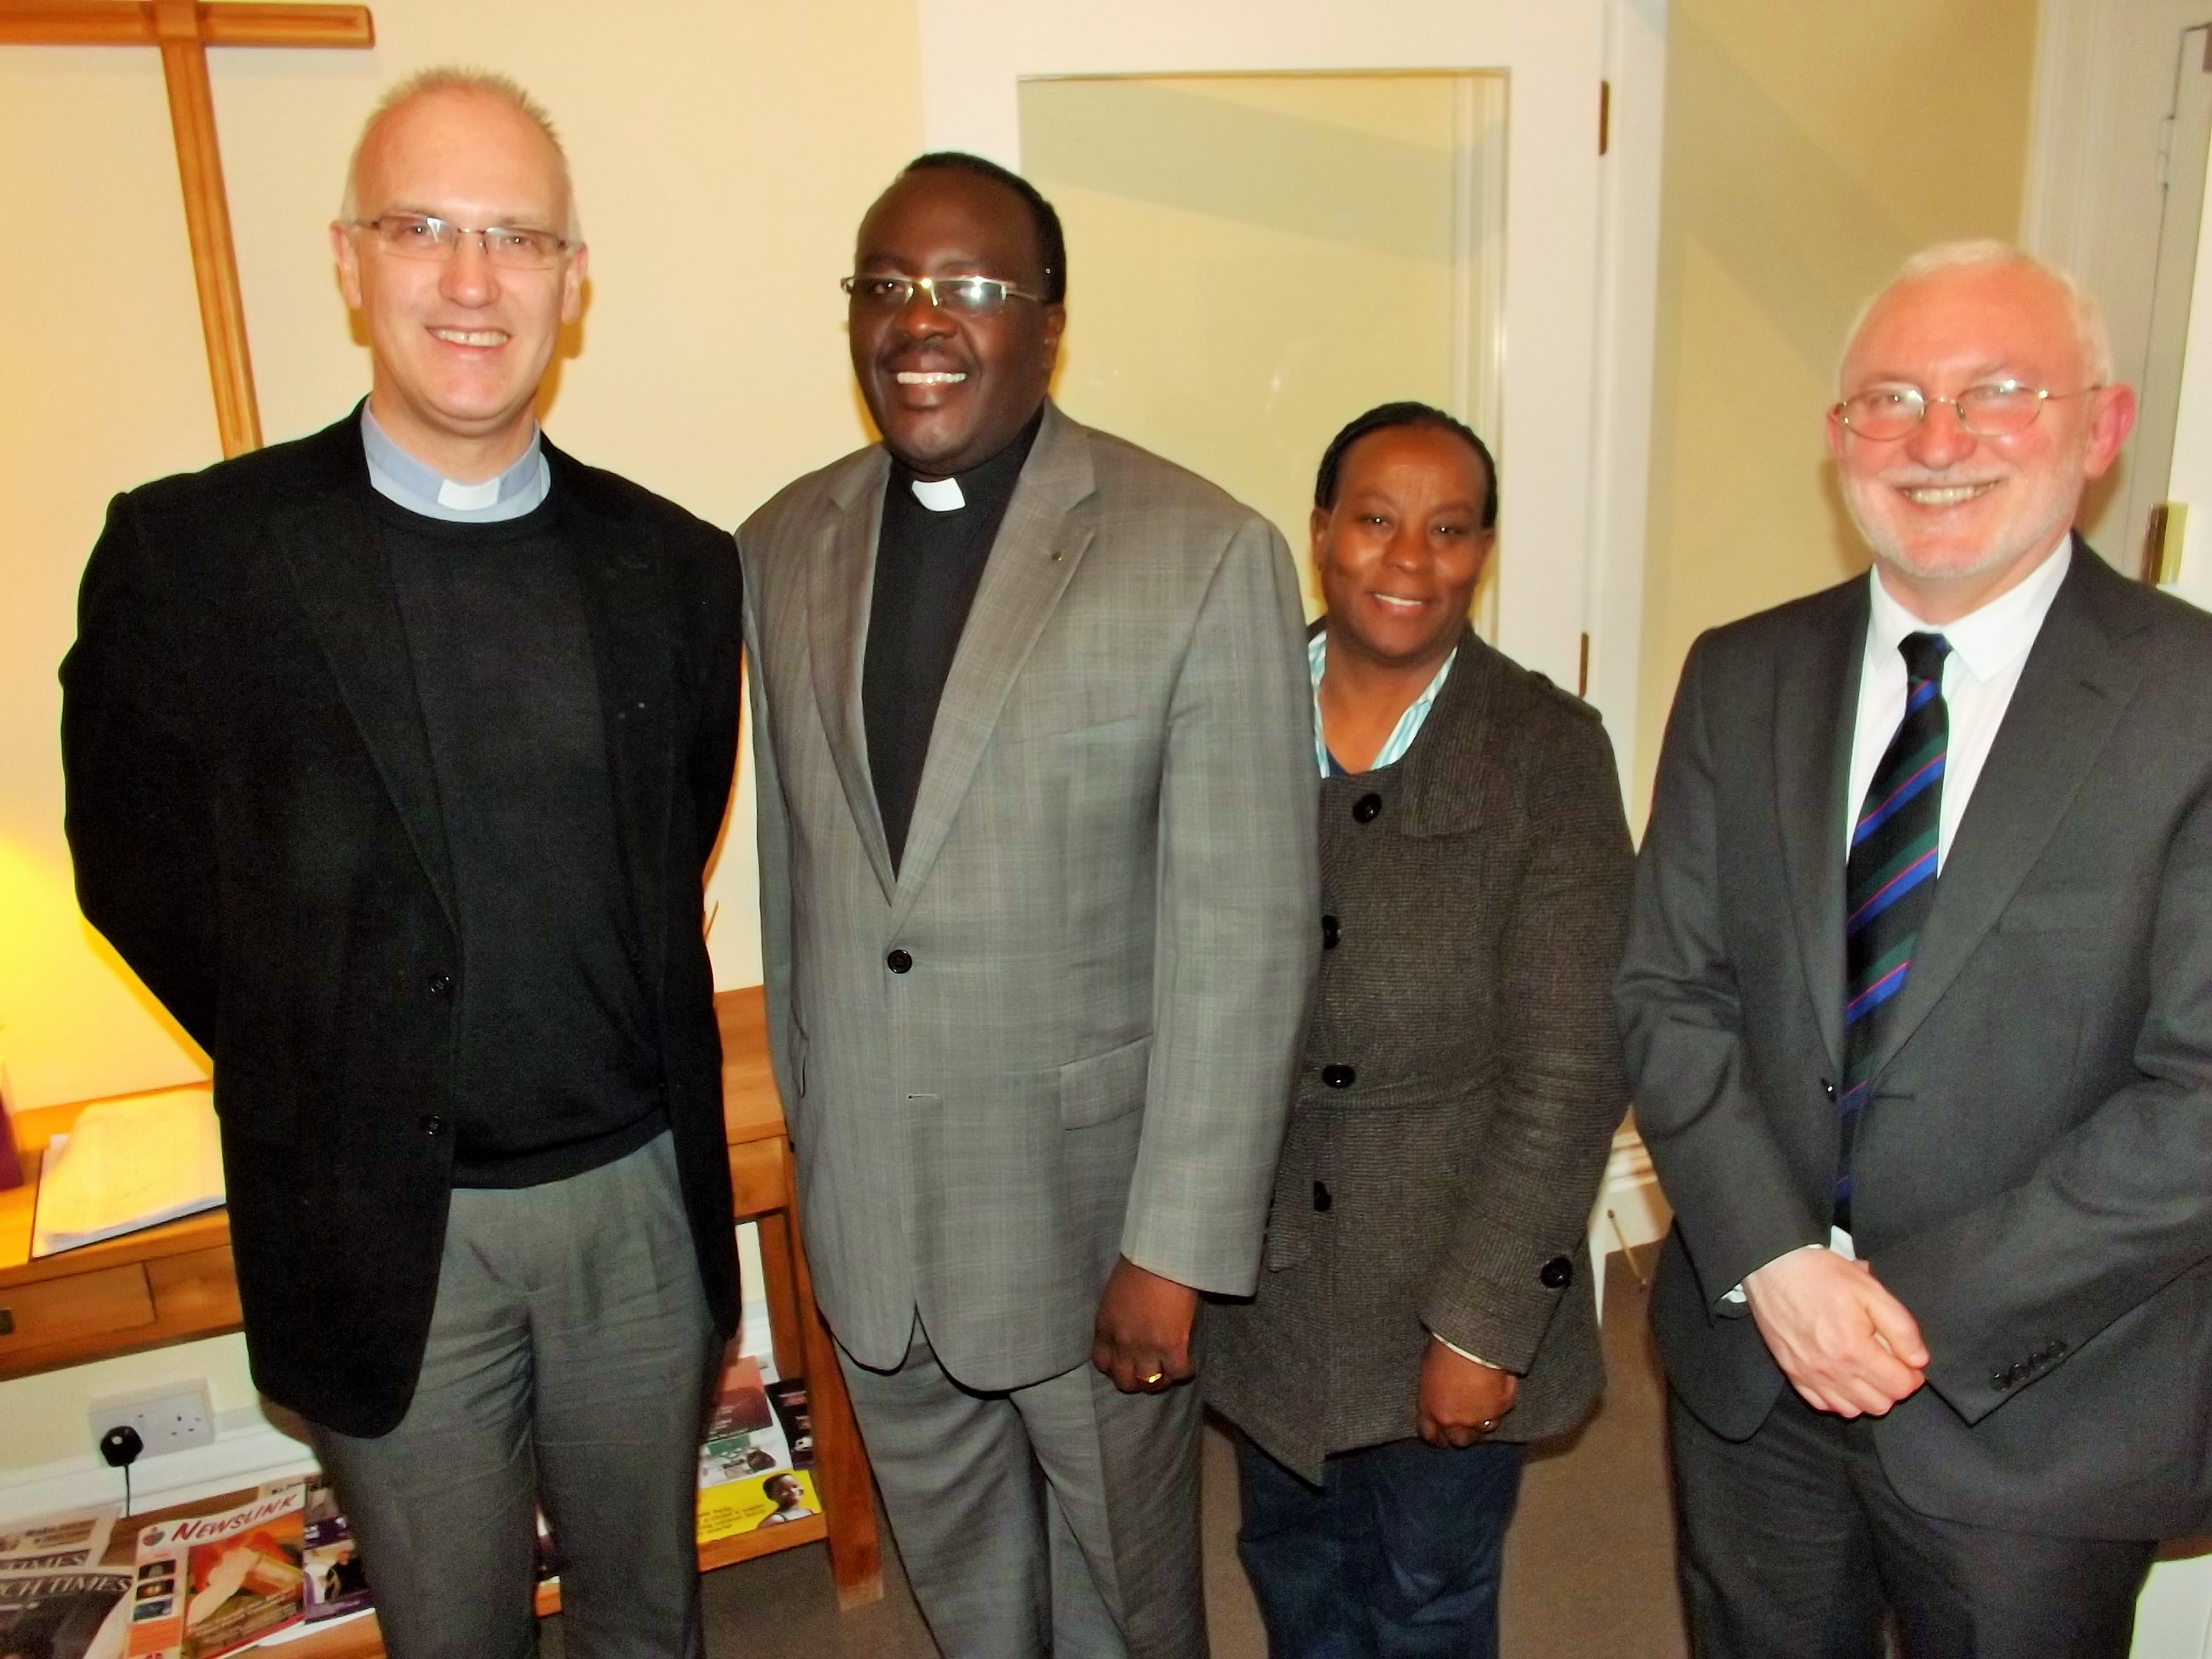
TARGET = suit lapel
x,y
841,584
344,580
1038,548
619,583
2072,691
1816,695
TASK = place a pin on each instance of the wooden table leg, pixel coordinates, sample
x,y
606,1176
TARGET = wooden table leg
x,y
787,1333
840,1462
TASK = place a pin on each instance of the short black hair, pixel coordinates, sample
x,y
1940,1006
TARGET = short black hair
x,y
1052,243
1382,417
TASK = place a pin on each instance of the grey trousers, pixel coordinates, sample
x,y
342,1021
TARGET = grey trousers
x,y
1060,1518
568,1362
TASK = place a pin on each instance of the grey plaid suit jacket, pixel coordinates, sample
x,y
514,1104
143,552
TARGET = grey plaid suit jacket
x,y
1105,916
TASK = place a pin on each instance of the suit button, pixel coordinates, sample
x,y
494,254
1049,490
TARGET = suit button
x,y
1367,809
898,961
431,1125
2001,1380
1329,933
441,985
1338,1077
1557,1273
1323,1200
1827,1088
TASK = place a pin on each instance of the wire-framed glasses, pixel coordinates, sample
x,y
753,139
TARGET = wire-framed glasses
x,y
425,236
969,296
1883,413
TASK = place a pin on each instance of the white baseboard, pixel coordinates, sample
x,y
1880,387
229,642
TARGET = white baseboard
x,y
247,1449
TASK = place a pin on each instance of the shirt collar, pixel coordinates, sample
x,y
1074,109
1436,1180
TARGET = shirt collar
x,y
1989,640
421,487
1409,723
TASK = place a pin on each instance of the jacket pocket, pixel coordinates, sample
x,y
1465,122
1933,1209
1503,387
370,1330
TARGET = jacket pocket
x,y
1105,1086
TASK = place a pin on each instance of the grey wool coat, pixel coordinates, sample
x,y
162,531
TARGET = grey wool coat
x,y
1460,1083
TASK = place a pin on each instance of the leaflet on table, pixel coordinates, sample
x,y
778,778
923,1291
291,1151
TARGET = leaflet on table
x,y
747,1476
79,1612
211,1585
55,1541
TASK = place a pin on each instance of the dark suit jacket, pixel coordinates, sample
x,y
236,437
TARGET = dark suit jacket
x,y
1479,915
256,830
2033,1175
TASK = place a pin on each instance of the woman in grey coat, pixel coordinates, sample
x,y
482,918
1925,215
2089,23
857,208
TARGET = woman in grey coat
x,y
1423,1312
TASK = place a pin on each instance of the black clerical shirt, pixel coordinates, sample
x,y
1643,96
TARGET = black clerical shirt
x,y
928,566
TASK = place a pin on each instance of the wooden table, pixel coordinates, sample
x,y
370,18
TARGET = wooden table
x,y
175,1284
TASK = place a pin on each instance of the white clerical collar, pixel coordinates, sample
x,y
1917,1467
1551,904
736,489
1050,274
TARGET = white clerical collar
x,y
420,488
939,495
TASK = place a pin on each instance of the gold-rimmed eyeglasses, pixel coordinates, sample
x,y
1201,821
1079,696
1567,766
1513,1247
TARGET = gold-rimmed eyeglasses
x,y
1885,413
967,296
425,236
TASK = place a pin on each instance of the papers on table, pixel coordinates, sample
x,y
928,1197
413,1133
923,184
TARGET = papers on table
x,y
126,1164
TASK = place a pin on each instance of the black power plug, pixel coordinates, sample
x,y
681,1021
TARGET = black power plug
x,y
119,1447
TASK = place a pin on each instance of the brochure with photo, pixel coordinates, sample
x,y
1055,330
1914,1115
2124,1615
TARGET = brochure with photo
x,y
211,1585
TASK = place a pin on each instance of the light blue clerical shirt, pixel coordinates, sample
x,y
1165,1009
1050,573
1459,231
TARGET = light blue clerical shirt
x,y
1401,735
399,477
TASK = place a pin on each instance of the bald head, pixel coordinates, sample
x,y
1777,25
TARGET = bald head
x,y
501,110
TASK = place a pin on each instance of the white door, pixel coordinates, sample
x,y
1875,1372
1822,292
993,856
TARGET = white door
x,y
2173,1621
1579,243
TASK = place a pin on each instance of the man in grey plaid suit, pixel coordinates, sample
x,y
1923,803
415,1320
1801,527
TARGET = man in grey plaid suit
x,y
1039,919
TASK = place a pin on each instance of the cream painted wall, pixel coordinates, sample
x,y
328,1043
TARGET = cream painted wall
x,y
1809,150
723,155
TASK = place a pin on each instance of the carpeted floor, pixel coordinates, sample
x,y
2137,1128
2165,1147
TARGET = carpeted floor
x,y
1588,1566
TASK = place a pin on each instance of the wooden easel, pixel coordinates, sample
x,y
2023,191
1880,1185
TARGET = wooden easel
x,y
183,30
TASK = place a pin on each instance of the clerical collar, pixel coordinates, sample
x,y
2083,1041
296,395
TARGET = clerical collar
x,y
420,488
984,485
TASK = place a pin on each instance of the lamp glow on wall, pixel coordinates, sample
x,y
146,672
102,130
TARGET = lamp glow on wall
x,y
74,1022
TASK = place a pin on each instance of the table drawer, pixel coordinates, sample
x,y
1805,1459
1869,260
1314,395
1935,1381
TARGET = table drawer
x,y
80,1305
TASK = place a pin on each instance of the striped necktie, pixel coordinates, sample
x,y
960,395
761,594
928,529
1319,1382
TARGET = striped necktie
x,y
1889,882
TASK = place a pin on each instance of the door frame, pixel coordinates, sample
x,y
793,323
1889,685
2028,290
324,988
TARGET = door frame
x,y
1581,246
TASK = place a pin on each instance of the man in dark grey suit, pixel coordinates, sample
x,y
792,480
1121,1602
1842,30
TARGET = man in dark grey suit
x,y
1918,1007
1037,898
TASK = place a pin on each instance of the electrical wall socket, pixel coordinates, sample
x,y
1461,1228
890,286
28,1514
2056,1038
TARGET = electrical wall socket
x,y
167,1419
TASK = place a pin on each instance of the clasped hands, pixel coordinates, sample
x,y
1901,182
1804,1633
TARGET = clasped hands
x,y
1847,1346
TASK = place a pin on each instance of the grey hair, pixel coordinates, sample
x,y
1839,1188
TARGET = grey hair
x,y
2082,307
475,82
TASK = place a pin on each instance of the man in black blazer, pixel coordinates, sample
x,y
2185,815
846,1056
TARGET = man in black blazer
x,y
1918,1009
395,758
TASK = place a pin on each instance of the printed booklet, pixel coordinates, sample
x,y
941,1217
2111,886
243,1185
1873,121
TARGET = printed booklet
x,y
211,1585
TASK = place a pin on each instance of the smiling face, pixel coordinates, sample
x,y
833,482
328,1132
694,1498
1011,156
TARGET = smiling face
x,y
1955,519
459,344
948,391
1400,551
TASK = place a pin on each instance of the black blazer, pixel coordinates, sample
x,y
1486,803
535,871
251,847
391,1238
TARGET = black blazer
x,y
1460,1085
255,826
2033,1175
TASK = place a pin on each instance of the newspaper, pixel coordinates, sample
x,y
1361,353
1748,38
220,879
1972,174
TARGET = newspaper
x,y
80,1612
211,1585
55,1541
748,1478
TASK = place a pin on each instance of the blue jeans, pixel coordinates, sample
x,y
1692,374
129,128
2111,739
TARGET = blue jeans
x,y
1395,1556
